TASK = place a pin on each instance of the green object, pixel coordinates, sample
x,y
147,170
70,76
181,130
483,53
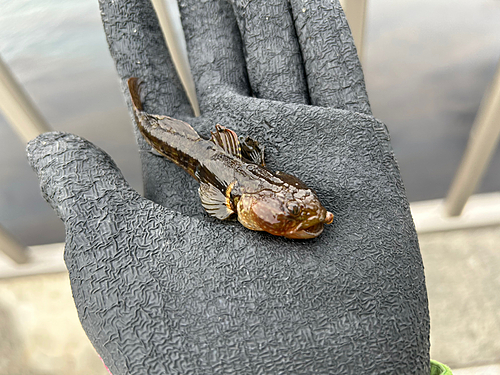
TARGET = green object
x,y
439,369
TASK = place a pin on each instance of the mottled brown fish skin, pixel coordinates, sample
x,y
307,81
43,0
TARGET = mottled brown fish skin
x,y
289,210
276,203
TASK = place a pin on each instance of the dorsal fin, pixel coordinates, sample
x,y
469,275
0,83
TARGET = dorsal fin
x,y
227,139
251,150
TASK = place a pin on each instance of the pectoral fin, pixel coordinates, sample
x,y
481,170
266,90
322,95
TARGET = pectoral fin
x,y
227,139
214,202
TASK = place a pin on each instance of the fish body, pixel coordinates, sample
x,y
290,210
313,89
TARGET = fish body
x,y
232,175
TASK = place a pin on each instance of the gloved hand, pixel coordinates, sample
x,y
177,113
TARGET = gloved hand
x,y
161,288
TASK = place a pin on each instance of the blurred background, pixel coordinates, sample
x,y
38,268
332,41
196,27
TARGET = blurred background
x,y
427,66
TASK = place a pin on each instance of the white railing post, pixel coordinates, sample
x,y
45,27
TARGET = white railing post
x,y
355,12
480,148
18,108
24,118
13,249
169,17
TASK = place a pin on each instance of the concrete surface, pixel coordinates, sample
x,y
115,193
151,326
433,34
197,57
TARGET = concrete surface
x,y
463,279
480,370
40,331
41,334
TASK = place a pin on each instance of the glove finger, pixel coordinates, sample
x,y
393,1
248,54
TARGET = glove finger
x,y
77,179
272,51
334,74
138,48
214,48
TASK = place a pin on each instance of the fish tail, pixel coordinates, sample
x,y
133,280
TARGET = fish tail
x,y
174,139
134,86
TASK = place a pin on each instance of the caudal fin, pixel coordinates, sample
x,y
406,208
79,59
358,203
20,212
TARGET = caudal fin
x,y
134,87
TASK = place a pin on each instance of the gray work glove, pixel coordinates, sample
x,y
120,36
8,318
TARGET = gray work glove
x,y
161,288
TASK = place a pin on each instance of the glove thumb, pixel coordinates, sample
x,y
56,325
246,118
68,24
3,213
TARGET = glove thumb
x,y
79,180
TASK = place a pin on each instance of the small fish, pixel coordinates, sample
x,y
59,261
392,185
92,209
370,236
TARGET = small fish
x,y
232,175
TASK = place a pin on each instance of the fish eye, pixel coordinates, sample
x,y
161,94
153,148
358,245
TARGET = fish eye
x,y
293,208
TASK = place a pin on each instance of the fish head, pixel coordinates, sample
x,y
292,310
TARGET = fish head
x,y
292,213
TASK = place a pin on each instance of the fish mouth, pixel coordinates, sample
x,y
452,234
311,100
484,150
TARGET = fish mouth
x,y
305,233
311,231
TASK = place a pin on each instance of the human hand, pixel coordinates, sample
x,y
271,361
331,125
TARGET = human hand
x,y
162,288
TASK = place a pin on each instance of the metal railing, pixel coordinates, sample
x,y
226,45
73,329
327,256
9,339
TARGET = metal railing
x,y
355,12
13,249
17,107
169,18
27,122
483,141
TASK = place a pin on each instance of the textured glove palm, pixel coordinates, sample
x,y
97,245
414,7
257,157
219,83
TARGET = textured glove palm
x,y
162,288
